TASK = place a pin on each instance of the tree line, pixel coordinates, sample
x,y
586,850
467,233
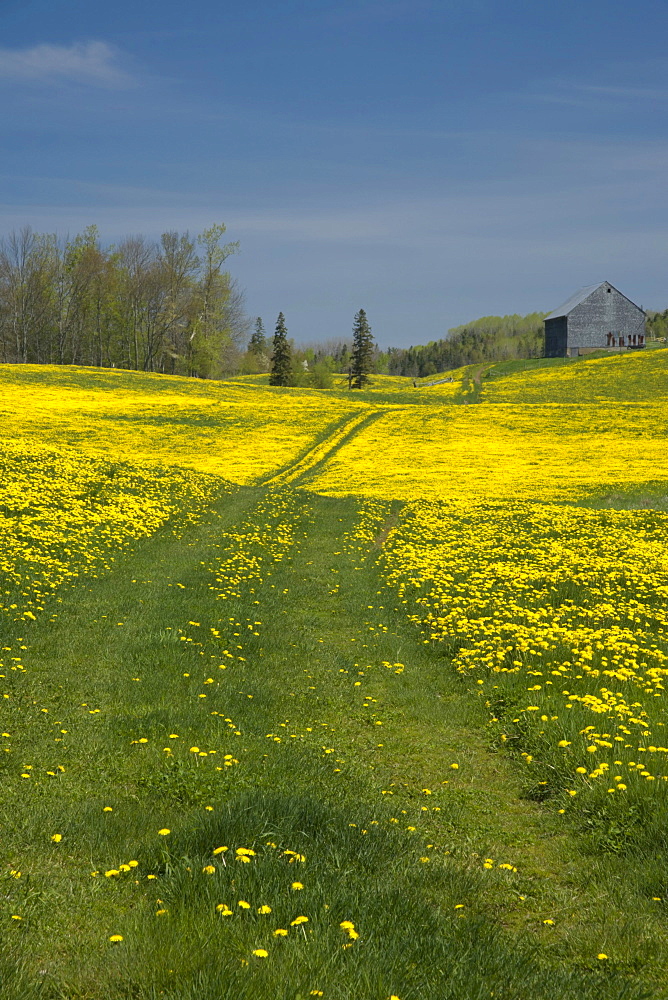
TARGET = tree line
x,y
288,366
171,306
166,306
657,325
491,338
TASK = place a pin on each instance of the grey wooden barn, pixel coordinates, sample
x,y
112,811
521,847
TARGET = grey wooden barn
x,y
596,318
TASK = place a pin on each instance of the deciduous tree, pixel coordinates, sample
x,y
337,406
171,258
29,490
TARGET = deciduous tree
x,y
149,306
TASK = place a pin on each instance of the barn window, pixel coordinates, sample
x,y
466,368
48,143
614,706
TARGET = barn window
x,y
608,289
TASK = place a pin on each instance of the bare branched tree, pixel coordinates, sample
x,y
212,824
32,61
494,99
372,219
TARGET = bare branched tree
x,y
165,306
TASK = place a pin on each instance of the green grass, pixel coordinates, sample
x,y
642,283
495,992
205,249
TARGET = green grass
x,y
630,496
503,368
332,658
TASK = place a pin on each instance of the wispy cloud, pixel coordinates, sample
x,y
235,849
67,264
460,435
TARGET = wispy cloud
x,y
592,96
629,93
86,62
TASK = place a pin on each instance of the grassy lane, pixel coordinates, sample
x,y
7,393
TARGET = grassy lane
x,y
316,455
248,777
435,747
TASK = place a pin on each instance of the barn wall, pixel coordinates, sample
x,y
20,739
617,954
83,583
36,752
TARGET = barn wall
x,y
603,312
555,337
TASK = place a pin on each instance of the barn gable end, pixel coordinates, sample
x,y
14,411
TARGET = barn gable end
x,y
598,317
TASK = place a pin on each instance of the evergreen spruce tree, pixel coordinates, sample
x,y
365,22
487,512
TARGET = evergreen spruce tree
x,y
362,354
258,342
281,361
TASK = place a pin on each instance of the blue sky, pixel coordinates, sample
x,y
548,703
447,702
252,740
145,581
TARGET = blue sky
x,y
430,161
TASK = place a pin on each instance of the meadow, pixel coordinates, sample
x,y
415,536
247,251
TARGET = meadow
x,y
358,695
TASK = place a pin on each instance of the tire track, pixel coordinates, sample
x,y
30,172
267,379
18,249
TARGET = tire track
x,y
323,450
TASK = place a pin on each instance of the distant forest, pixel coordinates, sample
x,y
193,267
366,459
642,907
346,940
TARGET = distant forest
x,y
657,325
492,338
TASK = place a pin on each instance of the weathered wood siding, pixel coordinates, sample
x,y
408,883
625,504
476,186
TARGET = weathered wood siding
x,y
556,337
604,311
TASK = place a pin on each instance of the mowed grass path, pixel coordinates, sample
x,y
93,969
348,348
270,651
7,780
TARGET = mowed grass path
x,y
342,730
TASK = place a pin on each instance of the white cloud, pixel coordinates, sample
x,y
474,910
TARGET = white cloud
x,y
86,62
596,97
642,93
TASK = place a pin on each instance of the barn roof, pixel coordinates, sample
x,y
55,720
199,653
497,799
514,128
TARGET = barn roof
x,y
575,300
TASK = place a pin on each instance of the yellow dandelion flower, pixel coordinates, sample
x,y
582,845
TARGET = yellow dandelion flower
x,y
261,953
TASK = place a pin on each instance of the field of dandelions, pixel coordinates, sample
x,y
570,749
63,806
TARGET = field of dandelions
x,y
353,695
